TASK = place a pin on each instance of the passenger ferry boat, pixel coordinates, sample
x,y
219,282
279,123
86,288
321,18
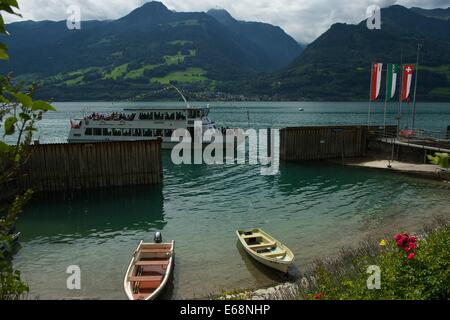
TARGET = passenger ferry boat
x,y
139,124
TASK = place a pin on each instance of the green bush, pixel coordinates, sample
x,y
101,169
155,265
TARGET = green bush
x,y
440,159
421,272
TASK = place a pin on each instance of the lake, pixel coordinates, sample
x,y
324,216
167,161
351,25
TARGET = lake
x,y
314,208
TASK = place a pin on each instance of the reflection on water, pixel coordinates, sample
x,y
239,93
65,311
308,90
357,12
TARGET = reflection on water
x,y
261,271
97,213
314,208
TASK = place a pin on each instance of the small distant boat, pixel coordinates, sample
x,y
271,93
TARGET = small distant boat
x,y
149,270
14,239
300,109
264,248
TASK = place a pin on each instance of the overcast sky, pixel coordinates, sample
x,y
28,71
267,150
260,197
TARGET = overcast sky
x,y
302,19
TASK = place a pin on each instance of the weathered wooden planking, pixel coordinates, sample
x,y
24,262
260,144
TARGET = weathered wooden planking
x,y
55,167
327,142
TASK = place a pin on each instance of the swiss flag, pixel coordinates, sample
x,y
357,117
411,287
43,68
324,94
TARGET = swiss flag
x,y
408,70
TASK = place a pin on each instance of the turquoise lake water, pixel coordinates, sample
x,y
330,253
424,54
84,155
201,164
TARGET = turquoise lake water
x,y
315,209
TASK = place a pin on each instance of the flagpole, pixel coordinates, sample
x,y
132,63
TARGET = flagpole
x,y
385,100
415,86
370,95
400,95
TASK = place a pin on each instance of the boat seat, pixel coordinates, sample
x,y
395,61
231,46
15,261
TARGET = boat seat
x,y
254,235
145,278
155,250
274,255
262,245
156,246
162,263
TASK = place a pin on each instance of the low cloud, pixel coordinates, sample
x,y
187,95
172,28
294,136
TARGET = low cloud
x,y
304,20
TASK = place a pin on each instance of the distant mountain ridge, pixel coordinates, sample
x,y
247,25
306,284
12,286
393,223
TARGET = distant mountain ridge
x,y
271,40
142,51
433,13
336,66
212,55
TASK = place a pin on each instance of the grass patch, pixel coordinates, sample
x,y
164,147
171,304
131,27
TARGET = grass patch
x,y
175,59
189,75
179,58
139,73
117,72
185,23
84,71
74,82
445,69
180,42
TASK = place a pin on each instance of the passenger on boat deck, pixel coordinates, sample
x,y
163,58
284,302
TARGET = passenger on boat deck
x,y
115,116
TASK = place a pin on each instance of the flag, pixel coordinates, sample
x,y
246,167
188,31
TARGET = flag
x,y
391,80
408,70
376,80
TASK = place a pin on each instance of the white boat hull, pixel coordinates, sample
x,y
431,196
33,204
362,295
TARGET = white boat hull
x,y
132,271
279,257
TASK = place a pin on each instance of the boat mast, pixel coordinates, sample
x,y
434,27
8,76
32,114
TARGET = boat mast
x,y
370,96
181,94
399,113
385,100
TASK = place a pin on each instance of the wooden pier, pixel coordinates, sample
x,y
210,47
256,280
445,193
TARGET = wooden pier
x,y
61,167
327,142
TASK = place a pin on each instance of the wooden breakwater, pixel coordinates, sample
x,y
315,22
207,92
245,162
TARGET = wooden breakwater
x,y
328,142
61,167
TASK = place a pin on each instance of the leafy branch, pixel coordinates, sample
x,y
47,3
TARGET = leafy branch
x,y
19,114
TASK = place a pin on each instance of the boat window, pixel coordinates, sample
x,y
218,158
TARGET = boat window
x,y
180,116
195,114
170,116
146,116
137,132
168,132
158,116
117,132
97,131
107,132
148,132
159,133
126,132
88,132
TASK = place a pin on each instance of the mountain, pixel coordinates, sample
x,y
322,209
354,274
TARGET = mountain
x,y
141,52
433,13
271,41
336,66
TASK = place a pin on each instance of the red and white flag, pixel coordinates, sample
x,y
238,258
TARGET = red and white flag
x,y
408,70
376,81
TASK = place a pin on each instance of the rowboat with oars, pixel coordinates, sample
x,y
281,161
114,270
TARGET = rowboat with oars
x,y
149,270
266,249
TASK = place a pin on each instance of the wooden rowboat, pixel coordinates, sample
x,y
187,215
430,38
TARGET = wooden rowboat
x,y
149,270
264,248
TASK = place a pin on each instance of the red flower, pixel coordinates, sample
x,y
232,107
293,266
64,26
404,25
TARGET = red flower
x,y
318,296
397,237
412,239
411,256
412,245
